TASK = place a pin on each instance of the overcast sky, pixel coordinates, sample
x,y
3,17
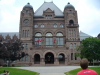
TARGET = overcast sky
x,y
88,13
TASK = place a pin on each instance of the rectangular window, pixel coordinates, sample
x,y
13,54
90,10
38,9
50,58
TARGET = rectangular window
x,y
49,41
71,56
60,41
75,57
38,41
26,57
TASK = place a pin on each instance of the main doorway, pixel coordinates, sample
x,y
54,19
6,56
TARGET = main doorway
x,y
49,58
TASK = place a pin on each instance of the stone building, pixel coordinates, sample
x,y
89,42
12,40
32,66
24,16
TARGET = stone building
x,y
98,36
50,36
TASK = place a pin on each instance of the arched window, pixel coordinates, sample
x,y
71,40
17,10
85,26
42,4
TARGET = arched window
x,y
71,45
26,57
59,39
71,56
71,22
55,25
42,25
70,11
28,33
49,39
36,26
27,11
48,34
38,34
38,39
59,34
61,25
26,46
74,45
23,33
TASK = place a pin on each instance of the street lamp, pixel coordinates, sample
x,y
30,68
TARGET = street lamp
x,y
7,63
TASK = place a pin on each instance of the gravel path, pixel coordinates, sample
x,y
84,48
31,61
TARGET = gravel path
x,y
51,70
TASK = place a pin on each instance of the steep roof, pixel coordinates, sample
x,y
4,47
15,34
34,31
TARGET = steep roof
x,y
11,34
45,6
84,35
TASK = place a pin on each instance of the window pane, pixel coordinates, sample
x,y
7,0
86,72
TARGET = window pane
x,y
55,25
38,34
59,34
37,42
60,41
48,34
61,25
36,26
49,41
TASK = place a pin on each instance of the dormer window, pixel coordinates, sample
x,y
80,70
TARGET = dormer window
x,y
48,16
27,11
70,11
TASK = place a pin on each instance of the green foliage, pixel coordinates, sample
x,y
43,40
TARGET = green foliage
x,y
75,71
14,71
90,49
11,50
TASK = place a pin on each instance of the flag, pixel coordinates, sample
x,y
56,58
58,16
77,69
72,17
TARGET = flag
x,y
40,40
54,41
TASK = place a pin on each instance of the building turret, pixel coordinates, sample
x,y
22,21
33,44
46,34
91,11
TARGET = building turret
x,y
26,24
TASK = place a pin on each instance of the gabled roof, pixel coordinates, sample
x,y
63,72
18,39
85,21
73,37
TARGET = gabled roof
x,y
11,34
84,35
45,6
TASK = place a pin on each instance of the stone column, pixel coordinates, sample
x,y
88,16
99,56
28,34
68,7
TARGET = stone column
x,y
66,61
56,62
42,62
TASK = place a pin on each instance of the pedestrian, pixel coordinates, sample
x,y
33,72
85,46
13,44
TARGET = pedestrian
x,y
85,71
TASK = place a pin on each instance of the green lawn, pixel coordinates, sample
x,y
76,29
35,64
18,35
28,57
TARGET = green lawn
x,y
75,71
14,71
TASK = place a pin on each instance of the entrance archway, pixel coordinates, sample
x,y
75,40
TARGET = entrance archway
x,y
49,58
61,58
36,59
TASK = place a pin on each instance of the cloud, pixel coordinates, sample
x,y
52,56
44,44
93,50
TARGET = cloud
x,y
88,13
88,17
9,20
94,3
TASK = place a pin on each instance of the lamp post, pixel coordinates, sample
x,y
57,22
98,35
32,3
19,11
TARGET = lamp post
x,y
7,63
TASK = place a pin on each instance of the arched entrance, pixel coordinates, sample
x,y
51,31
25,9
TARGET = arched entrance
x,y
61,58
49,58
36,59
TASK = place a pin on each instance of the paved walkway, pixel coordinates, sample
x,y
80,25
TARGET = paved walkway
x,y
51,70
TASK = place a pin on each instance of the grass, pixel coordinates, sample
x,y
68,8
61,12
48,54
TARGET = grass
x,y
75,71
15,71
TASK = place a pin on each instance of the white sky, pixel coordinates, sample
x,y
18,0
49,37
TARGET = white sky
x,y
88,13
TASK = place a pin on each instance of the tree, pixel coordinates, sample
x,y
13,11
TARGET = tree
x,y
90,49
11,50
